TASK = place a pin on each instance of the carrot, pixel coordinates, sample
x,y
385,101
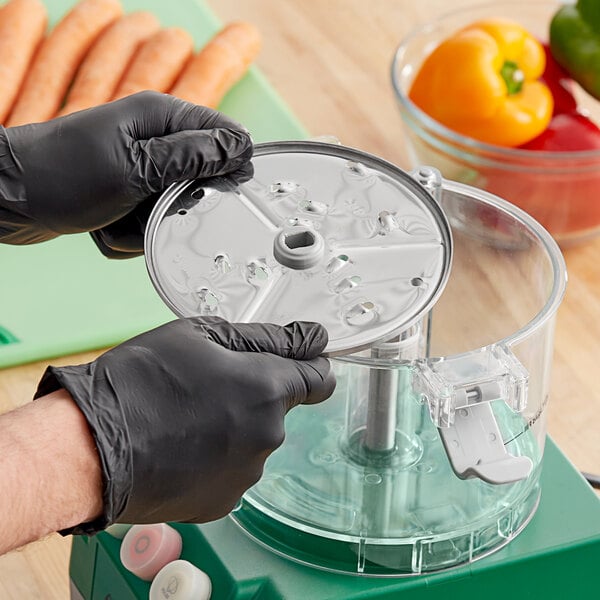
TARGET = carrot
x,y
22,27
58,57
157,63
220,64
106,62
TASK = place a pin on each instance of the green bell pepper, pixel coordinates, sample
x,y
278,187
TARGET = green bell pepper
x,y
575,42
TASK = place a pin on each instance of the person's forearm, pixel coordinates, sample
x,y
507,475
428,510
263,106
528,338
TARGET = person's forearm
x,y
49,470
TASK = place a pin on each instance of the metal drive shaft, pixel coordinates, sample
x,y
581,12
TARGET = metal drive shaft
x,y
382,408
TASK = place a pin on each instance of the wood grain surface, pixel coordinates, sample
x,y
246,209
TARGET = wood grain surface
x,y
330,62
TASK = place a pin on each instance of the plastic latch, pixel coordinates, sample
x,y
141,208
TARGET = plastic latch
x,y
458,391
475,447
490,373
430,178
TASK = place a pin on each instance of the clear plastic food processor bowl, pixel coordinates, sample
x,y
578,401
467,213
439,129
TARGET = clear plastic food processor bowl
x,y
440,301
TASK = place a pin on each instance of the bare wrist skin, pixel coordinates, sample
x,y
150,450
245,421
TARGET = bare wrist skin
x,y
50,476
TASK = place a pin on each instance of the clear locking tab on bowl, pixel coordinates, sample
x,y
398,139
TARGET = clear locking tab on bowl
x,y
430,178
458,391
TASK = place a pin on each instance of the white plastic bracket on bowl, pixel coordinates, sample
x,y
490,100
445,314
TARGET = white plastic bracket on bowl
x,y
475,447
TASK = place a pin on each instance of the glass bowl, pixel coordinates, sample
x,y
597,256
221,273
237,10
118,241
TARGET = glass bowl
x,y
561,190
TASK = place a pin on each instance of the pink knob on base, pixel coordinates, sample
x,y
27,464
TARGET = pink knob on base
x,y
146,549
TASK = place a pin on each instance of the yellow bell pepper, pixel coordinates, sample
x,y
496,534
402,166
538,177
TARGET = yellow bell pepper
x,y
482,82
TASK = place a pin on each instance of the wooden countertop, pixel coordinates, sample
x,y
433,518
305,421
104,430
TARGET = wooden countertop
x,y
330,62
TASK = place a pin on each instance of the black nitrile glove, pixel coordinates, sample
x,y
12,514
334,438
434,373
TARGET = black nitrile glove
x,y
101,169
184,416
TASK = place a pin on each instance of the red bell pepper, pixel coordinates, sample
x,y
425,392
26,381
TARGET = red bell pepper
x,y
567,132
560,83
565,198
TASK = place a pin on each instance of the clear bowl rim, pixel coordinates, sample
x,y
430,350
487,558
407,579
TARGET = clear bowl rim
x,y
446,134
546,312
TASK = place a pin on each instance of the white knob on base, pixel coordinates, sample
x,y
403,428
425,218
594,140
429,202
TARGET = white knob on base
x,y
180,580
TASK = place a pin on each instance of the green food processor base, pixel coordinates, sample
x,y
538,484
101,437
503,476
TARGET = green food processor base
x,y
554,557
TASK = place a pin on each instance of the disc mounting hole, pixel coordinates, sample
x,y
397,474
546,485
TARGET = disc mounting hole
x,y
302,239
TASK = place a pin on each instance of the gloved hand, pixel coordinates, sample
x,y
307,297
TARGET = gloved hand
x,y
102,169
184,416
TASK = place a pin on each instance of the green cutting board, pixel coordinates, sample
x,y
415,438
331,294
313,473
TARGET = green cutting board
x,y
63,296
